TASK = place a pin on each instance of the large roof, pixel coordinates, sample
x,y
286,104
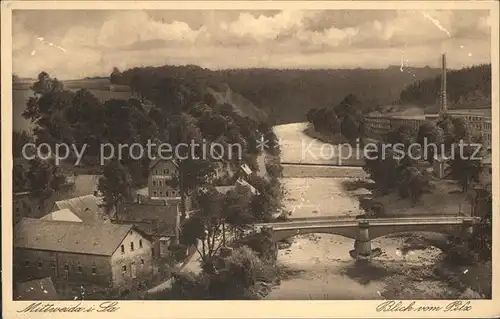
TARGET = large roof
x,y
87,207
71,237
154,217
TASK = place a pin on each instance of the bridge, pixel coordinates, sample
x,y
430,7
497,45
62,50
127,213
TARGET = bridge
x,y
364,230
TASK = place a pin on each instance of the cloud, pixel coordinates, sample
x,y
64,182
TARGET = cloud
x,y
93,44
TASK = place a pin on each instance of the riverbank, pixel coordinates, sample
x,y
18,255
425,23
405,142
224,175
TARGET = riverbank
x,y
319,267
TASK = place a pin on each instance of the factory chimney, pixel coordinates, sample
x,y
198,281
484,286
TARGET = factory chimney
x,y
444,104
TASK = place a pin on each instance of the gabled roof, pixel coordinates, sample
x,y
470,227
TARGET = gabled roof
x,y
62,215
246,169
71,237
155,162
38,289
87,207
155,217
224,189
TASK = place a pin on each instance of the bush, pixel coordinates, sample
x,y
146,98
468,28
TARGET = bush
x,y
461,254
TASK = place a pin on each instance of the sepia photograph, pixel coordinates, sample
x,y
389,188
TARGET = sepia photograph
x,y
205,153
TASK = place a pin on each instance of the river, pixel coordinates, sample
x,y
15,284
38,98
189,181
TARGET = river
x,y
319,266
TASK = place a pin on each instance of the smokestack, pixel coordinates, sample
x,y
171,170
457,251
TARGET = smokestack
x,y
444,105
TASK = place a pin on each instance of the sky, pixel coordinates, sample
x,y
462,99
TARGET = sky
x,y
70,44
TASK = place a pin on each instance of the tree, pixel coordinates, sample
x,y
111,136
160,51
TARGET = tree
x,y
464,167
350,127
20,181
430,134
234,278
412,183
206,224
404,134
237,210
115,185
44,178
461,130
349,105
382,168
19,140
115,76
446,124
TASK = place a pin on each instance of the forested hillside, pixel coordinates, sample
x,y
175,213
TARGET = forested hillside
x,y
285,95
468,87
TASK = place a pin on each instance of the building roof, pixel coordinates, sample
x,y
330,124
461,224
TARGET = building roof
x,y
244,183
225,189
62,215
84,184
154,162
246,169
71,237
155,217
38,289
87,207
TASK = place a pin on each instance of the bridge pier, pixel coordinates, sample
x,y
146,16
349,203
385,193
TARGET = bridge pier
x,y
362,245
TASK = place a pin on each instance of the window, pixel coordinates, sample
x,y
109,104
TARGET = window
x,y
66,267
161,194
123,249
166,193
140,243
154,194
159,183
53,265
132,246
124,268
142,262
94,270
154,183
165,171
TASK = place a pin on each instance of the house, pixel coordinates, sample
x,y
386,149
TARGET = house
x,y
238,185
87,208
37,289
107,255
157,218
62,215
161,174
